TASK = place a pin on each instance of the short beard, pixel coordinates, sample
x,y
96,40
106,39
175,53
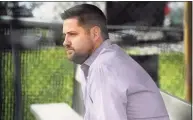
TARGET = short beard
x,y
79,59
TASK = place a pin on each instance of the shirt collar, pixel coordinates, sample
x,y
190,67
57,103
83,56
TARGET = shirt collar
x,y
94,55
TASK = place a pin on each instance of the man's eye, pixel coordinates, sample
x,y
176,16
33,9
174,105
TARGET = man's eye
x,y
72,34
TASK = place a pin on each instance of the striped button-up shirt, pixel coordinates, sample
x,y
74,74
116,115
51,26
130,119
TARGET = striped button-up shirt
x,y
115,87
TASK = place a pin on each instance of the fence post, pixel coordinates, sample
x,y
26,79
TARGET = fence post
x,y
187,46
16,72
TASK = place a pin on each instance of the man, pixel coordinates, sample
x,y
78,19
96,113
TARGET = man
x,y
114,87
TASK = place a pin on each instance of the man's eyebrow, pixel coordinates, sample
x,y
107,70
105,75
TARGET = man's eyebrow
x,y
70,32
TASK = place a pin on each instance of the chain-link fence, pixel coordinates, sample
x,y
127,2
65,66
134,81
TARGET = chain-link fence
x,y
31,71
34,68
46,77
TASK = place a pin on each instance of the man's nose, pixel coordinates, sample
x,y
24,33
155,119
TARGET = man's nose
x,y
66,43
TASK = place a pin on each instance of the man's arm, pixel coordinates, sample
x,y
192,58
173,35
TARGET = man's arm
x,y
121,100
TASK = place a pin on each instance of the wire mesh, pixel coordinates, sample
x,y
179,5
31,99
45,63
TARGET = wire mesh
x,y
7,87
46,77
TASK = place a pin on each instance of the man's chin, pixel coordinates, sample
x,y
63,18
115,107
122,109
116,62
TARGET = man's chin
x,y
78,59
70,59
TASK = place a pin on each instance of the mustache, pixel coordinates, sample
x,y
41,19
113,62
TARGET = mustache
x,y
69,48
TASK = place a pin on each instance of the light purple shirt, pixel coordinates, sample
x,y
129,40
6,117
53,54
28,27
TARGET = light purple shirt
x,y
115,87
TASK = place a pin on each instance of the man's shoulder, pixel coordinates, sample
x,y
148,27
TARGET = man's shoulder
x,y
104,60
110,54
111,59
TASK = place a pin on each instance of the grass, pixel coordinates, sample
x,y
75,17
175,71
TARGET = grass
x,y
171,73
47,76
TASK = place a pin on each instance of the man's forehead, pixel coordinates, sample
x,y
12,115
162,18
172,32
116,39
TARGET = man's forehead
x,y
70,20
70,24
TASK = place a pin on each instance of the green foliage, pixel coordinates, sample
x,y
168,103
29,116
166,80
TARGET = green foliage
x,y
47,77
171,73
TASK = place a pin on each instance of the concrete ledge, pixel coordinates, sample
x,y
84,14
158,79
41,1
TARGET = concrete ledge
x,y
177,109
54,111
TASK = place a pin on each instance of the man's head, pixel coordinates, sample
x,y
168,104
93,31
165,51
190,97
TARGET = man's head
x,y
84,28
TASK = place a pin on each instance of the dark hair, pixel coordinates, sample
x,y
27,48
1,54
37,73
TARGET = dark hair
x,y
88,15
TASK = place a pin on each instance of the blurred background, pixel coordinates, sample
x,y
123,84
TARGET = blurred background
x,y
34,67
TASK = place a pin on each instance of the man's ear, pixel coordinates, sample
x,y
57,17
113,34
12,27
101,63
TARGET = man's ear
x,y
95,32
